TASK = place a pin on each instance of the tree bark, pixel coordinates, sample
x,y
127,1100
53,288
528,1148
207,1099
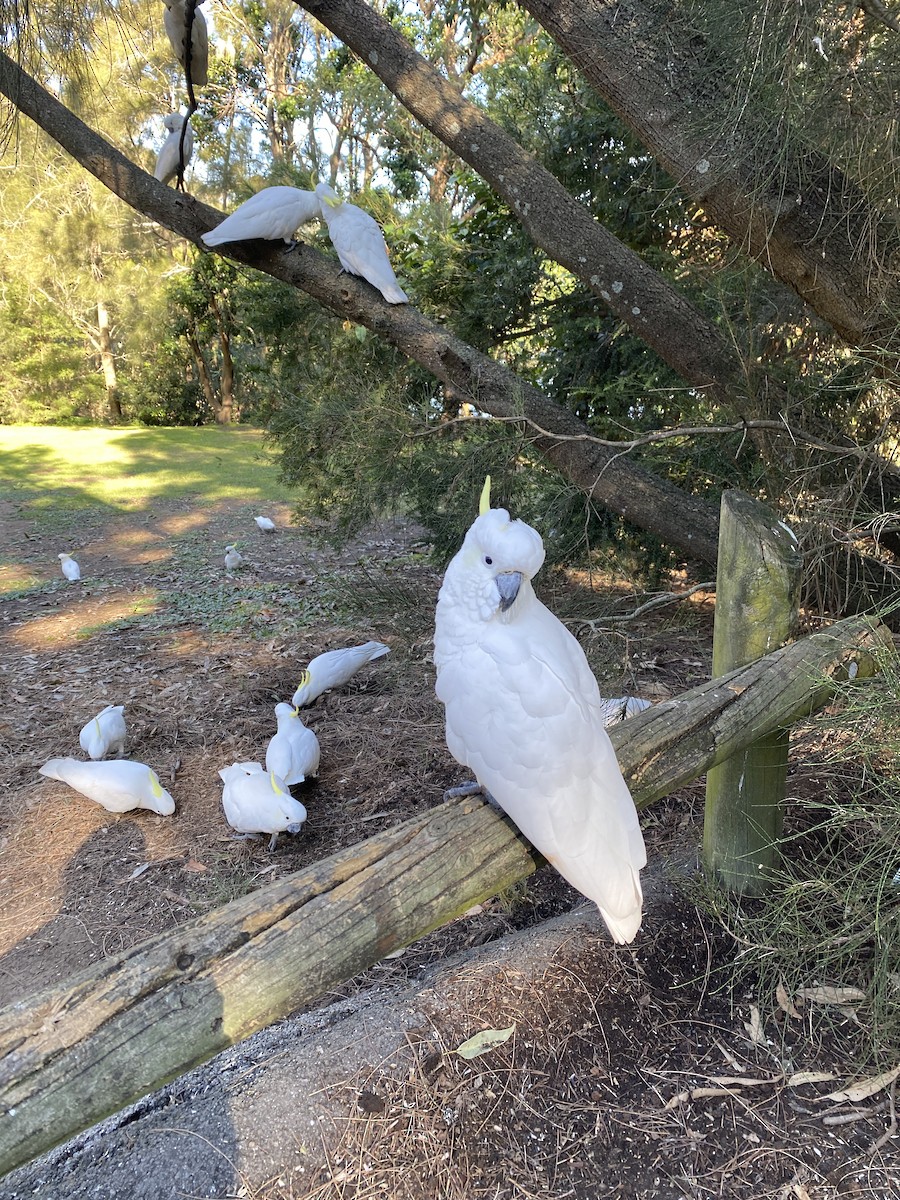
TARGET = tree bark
x,y
790,209
88,1046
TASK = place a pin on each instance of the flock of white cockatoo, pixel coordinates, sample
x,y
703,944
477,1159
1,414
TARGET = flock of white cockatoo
x,y
523,712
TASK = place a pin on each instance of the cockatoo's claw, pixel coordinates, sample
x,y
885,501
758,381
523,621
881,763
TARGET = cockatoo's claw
x,y
272,840
291,244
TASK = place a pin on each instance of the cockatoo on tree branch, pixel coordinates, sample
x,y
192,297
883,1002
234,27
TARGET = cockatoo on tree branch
x,y
525,714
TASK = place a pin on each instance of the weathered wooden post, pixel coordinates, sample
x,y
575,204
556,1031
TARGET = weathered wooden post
x,y
757,605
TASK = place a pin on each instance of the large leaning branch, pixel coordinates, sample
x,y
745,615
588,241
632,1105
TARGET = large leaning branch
x,y
610,479
91,1044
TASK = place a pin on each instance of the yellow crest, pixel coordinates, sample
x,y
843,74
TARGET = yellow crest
x,y
484,503
155,785
275,788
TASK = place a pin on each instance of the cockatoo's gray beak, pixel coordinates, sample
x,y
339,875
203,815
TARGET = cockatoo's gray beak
x,y
508,584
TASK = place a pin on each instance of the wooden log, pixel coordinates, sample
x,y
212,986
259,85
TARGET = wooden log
x,y
757,608
88,1046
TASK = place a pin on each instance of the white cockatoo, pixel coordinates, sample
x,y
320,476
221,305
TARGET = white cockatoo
x,y
175,21
266,524
274,213
360,245
257,801
168,158
104,733
70,567
333,668
621,708
293,752
233,558
119,786
524,713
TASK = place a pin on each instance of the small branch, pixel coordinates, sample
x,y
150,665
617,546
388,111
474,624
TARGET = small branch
x,y
657,602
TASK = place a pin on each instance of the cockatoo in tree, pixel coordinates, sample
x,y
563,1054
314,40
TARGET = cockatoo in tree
x,y
104,733
70,567
266,524
168,158
233,558
293,753
257,801
359,242
524,712
274,213
119,786
175,21
333,668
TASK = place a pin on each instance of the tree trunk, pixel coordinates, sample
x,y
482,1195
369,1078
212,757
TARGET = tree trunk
x,y
225,412
88,1046
108,364
206,383
785,205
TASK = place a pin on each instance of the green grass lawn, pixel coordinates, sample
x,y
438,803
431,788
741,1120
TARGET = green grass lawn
x,y
128,469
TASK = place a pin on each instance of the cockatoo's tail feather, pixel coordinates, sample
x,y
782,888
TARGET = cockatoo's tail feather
x,y
524,713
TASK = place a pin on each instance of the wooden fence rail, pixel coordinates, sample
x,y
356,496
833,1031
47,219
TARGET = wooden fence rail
x,y
88,1046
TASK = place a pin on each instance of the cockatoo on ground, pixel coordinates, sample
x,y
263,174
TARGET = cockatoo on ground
x,y
257,801
233,558
175,21
168,158
70,567
266,524
333,668
524,712
274,213
119,786
621,708
293,753
359,242
104,733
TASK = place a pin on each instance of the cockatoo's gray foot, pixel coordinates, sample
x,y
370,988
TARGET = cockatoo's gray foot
x,y
471,789
272,840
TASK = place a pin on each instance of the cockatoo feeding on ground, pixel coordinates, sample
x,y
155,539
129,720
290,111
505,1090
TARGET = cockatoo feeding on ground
x,y
70,567
233,558
333,668
266,524
175,21
257,801
168,158
293,753
274,213
359,242
104,733
524,712
119,786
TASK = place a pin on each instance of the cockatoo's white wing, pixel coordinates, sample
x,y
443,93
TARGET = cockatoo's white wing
x,y
104,733
70,567
274,213
175,21
119,786
259,802
360,245
293,753
168,157
524,713
333,668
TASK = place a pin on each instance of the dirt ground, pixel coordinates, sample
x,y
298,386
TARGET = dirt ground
x,y
632,1072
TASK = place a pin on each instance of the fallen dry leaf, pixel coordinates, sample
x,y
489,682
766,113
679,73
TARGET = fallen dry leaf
x,y
832,995
864,1088
486,1040
784,1001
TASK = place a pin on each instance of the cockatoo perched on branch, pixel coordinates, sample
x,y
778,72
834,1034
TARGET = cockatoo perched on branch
x,y
333,668
359,242
175,21
525,714
168,158
119,786
274,213
104,733
257,801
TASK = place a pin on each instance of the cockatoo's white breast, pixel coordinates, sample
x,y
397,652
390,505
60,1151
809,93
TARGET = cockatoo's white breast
x,y
168,157
524,712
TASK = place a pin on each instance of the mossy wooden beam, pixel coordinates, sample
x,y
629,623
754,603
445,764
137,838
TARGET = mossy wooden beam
x,y
757,607
90,1045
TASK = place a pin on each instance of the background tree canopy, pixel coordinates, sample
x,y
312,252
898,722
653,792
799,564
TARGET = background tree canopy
x,y
672,226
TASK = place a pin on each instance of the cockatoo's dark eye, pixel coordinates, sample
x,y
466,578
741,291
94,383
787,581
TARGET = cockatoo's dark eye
x,y
488,560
